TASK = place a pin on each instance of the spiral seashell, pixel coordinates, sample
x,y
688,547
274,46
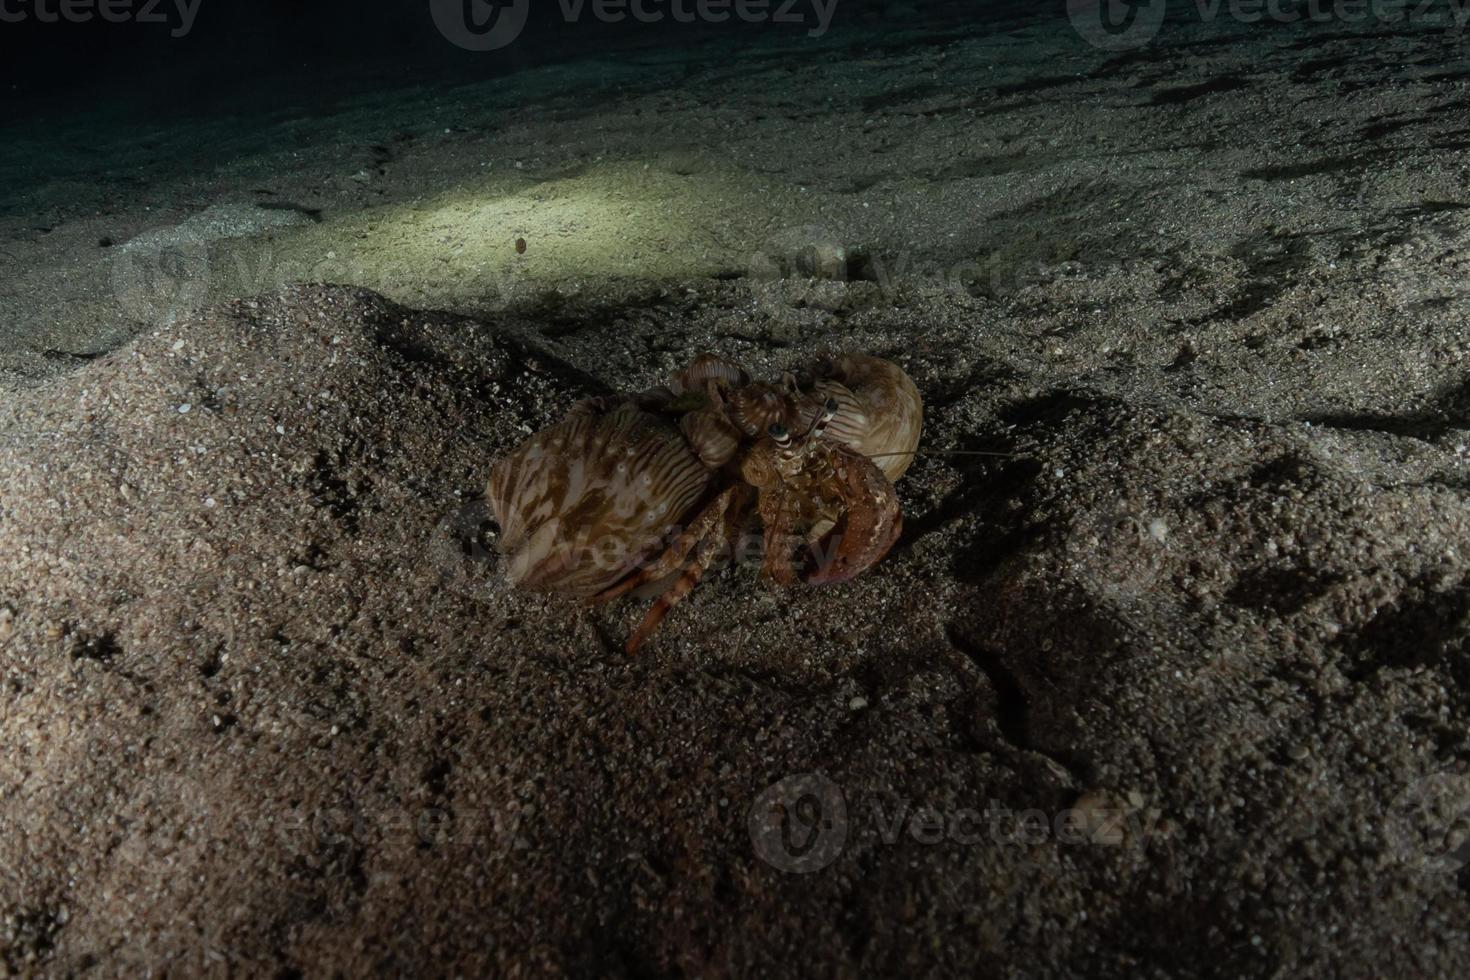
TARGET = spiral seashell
x,y
880,412
582,502
711,436
756,407
706,368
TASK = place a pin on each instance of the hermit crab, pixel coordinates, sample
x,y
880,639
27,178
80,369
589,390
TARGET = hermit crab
x,y
656,487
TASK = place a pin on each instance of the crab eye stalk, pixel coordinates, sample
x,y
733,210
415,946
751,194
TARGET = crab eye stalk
x,y
831,407
778,432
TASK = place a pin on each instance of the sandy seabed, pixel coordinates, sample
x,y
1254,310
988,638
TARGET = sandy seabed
x,y
1175,683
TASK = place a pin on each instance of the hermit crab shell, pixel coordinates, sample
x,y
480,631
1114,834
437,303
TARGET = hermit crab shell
x,y
704,369
756,407
582,502
711,436
880,412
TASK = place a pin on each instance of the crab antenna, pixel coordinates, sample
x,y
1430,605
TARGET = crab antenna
x,y
944,452
819,424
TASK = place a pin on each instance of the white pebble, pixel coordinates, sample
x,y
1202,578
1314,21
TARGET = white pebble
x,y
184,408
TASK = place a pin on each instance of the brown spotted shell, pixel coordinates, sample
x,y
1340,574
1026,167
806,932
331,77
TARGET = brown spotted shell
x,y
580,503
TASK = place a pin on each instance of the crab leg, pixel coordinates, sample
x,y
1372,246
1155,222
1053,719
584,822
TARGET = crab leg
x,y
683,585
780,541
871,522
669,561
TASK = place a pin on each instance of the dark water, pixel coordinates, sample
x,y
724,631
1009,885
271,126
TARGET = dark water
x,y
177,58
174,87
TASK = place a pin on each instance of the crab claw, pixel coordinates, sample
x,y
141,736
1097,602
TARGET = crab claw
x,y
871,522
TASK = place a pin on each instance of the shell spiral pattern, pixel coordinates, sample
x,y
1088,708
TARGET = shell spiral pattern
x,y
879,414
583,501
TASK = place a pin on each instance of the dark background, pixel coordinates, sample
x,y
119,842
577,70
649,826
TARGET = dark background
x,y
311,48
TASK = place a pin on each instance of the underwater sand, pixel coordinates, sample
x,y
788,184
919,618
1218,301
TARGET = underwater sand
x,y
269,706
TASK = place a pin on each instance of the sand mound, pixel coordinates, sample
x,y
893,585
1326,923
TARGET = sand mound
x,y
1155,681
